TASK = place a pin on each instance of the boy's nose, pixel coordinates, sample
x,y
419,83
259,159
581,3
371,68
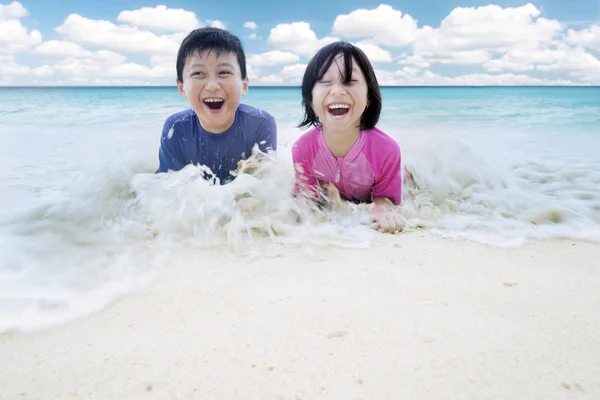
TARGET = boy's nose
x,y
212,85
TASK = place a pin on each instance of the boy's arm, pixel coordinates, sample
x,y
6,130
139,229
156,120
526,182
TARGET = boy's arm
x,y
170,156
389,183
267,135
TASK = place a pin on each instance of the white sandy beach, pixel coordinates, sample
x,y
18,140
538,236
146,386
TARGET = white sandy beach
x,y
414,317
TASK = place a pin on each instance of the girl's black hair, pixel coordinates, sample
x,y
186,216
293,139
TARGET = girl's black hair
x,y
318,66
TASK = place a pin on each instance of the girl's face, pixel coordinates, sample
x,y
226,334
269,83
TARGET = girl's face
x,y
340,106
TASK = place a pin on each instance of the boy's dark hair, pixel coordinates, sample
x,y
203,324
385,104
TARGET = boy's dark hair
x,y
211,39
318,66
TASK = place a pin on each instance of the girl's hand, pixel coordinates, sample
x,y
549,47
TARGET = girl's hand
x,y
385,217
387,222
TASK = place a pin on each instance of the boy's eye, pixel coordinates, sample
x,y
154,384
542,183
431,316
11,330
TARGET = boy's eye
x,y
197,73
225,73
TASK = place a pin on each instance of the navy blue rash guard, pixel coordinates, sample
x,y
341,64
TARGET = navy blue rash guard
x,y
184,141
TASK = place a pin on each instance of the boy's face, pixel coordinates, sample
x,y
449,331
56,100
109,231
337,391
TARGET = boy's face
x,y
213,86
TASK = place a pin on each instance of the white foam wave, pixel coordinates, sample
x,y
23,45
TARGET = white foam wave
x,y
78,245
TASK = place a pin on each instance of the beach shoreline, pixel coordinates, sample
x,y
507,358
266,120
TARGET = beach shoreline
x,y
414,316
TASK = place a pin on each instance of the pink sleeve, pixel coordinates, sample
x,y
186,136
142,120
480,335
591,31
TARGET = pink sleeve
x,y
306,182
389,182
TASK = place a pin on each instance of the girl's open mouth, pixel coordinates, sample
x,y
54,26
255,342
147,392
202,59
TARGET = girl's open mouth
x,y
338,109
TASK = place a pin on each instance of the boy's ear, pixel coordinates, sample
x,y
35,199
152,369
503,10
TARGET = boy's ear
x,y
180,88
245,86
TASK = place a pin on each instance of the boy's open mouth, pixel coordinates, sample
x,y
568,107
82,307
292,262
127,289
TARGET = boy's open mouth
x,y
338,109
214,103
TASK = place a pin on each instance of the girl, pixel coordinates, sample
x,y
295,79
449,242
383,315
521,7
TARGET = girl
x,y
342,103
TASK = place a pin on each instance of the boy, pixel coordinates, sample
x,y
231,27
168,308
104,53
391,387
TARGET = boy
x,y
217,131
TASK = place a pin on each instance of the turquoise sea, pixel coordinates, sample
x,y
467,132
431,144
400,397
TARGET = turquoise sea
x,y
83,219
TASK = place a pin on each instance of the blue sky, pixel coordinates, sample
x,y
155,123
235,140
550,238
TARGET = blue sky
x,y
436,42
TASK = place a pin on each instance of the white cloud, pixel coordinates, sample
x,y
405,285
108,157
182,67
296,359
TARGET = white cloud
x,y
474,35
13,10
374,52
505,46
292,74
86,31
274,57
252,72
414,77
294,71
218,24
270,79
297,37
61,48
163,60
105,64
415,61
10,68
575,61
384,24
95,65
589,37
161,18
289,75
14,37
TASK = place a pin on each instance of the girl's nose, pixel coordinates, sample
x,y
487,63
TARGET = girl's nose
x,y
338,90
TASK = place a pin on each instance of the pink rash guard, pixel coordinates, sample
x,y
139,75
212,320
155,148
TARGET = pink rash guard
x,y
370,170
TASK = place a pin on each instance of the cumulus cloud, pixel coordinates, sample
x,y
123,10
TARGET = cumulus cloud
x,y
575,61
161,18
292,74
512,45
10,68
589,37
470,35
218,24
105,64
294,71
14,37
415,77
14,10
61,48
274,57
298,38
130,39
250,25
271,79
383,24
374,52
252,72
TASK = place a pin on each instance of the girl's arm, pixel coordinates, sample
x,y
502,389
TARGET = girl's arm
x,y
389,182
306,184
387,193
